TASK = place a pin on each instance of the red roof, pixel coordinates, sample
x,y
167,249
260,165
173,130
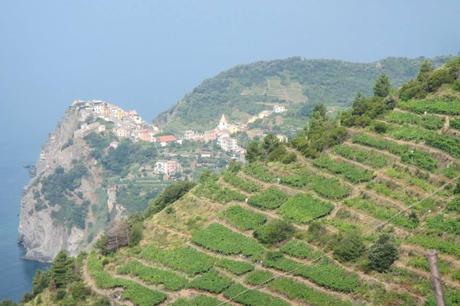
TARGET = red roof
x,y
167,138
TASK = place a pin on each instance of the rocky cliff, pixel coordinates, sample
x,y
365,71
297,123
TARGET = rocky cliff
x,y
74,193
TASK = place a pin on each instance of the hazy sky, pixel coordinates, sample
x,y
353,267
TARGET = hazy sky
x,y
147,54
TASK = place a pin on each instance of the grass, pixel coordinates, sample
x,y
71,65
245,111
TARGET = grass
x,y
297,248
259,277
430,122
259,171
303,208
431,106
199,300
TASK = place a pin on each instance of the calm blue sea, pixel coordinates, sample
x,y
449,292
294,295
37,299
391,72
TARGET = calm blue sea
x,y
15,273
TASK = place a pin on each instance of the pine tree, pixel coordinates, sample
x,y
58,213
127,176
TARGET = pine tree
x,y
61,270
382,86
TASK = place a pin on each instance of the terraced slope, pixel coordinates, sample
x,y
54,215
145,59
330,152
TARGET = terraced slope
x,y
202,250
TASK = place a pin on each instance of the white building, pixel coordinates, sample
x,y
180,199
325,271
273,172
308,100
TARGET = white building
x,y
167,167
279,109
227,143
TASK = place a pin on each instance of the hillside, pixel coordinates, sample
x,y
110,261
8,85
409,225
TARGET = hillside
x,y
296,83
341,219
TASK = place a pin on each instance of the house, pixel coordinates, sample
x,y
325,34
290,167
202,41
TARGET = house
x,y
145,135
264,114
279,108
166,139
121,132
167,167
282,138
227,143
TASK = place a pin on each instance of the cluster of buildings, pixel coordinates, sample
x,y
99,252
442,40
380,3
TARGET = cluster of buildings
x,y
167,167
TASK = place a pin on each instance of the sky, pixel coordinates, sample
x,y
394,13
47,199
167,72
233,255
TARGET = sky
x,y
146,55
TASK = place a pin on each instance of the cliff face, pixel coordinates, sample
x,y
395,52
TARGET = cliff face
x,y
71,200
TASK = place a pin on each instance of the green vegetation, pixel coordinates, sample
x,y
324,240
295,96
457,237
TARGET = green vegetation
x,y
303,208
271,198
382,253
408,154
431,106
235,266
382,212
211,281
324,273
320,134
349,246
210,189
295,290
269,149
366,157
154,276
250,297
430,122
243,219
240,183
243,86
170,194
199,300
185,259
274,231
220,239
430,80
259,277
434,242
259,171
297,248
140,295
318,183
353,173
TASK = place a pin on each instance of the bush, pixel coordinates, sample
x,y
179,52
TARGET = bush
x,y
303,208
380,127
271,198
274,231
349,246
382,254
243,219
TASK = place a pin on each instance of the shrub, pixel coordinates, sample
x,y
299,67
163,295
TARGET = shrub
x,y
243,219
382,254
259,277
271,198
274,231
299,249
349,246
353,173
240,183
211,281
185,259
367,157
303,208
235,266
219,238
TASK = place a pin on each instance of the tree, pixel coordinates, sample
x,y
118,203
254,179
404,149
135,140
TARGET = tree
x,y
320,109
62,270
253,151
274,231
382,253
349,247
382,86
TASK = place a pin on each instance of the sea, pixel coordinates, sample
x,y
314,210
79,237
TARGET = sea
x,y
16,273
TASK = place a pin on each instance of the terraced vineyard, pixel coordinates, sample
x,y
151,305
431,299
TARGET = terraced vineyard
x,y
203,251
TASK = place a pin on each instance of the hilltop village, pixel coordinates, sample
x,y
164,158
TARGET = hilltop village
x,y
97,116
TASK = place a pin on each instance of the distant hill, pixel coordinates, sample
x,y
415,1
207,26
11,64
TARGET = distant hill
x,y
297,83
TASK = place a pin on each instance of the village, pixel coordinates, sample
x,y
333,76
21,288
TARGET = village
x,y
128,124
